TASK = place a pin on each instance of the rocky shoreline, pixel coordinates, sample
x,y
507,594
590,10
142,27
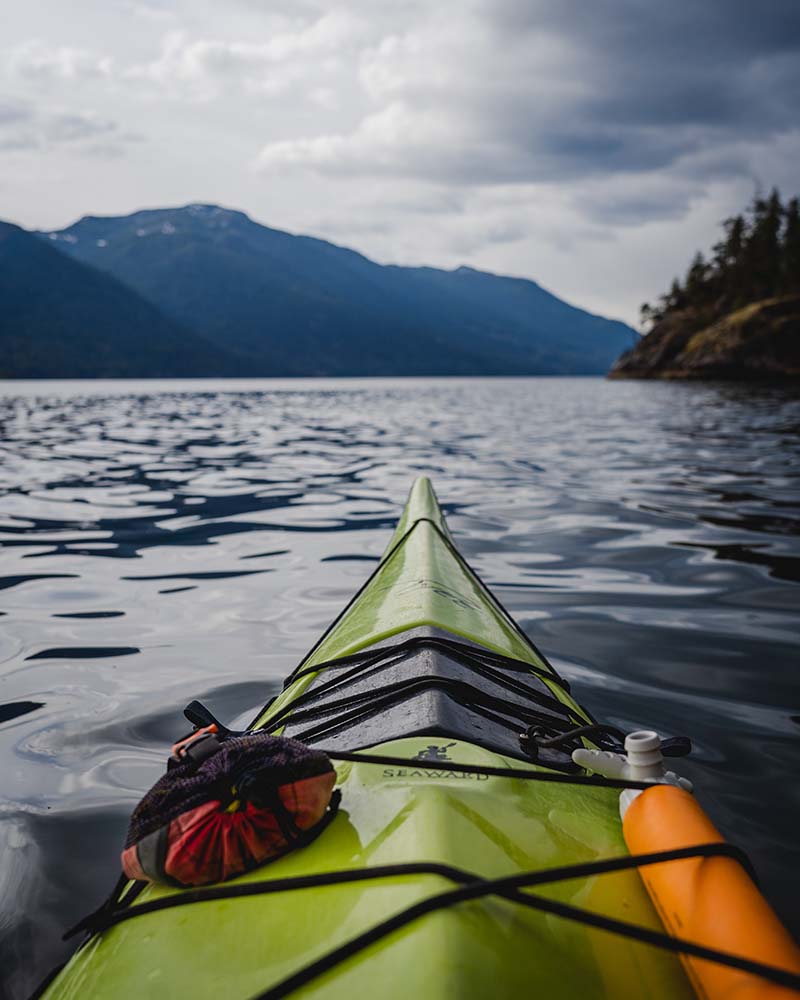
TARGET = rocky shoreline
x,y
760,341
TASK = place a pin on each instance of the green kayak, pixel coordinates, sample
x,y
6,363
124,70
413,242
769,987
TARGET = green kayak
x,y
426,671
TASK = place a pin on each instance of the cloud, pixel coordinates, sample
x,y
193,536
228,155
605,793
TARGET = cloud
x,y
282,55
488,233
202,69
13,112
18,130
40,125
613,201
530,92
36,62
398,140
23,126
151,10
417,132
71,127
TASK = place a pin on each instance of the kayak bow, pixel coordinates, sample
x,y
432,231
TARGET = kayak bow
x,y
421,690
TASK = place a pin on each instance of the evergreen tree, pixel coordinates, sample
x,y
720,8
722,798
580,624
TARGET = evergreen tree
x,y
696,278
727,260
790,270
673,300
763,249
730,249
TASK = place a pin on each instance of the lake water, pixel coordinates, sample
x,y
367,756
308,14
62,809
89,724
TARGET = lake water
x,y
163,541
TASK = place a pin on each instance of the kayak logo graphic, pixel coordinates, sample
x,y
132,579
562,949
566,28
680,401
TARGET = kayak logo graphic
x,y
433,752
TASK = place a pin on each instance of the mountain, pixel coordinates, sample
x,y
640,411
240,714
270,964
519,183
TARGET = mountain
x,y
62,319
758,341
294,305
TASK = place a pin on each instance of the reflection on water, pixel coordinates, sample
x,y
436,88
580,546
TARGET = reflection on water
x,y
15,708
165,541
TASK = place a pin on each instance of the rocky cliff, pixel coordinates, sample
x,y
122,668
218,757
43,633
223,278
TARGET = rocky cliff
x,y
759,341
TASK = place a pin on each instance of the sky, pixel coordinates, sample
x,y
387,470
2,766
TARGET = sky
x,y
591,145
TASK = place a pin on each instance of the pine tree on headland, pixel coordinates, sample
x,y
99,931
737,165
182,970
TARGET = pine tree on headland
x,y
763,247
696,287
728,257
790,276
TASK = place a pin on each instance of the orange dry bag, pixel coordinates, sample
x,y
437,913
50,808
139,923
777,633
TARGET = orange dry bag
x,y
711,901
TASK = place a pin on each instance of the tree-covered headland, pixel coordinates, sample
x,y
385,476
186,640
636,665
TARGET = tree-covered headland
x,y
736,314
758,258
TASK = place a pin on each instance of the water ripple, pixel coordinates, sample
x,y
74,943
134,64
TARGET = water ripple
x,y
164,541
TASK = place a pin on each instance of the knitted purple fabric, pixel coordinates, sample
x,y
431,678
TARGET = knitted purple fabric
x,y
248,766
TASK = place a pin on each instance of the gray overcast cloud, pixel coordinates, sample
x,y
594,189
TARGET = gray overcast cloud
x,y
592,145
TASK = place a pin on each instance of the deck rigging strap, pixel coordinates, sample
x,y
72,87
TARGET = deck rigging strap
x,y
509,888
524,774
550,673
365,658
352,709
116,906
330,707
470,887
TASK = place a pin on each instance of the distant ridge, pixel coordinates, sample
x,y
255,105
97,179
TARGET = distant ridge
x,y
62,319
279,304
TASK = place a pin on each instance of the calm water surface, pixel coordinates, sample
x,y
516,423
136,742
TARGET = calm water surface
x,y
169,540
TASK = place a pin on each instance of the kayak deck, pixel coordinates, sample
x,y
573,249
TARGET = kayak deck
x,y
484,825
422,582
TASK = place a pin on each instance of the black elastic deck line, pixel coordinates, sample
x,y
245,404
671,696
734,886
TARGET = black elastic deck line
x,y
553,677
341,723
110,917
369,703
296,710
364,658
481,888
330,706
471,887
596,781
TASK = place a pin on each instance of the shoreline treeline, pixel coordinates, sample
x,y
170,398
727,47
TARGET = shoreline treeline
x,y
758,258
